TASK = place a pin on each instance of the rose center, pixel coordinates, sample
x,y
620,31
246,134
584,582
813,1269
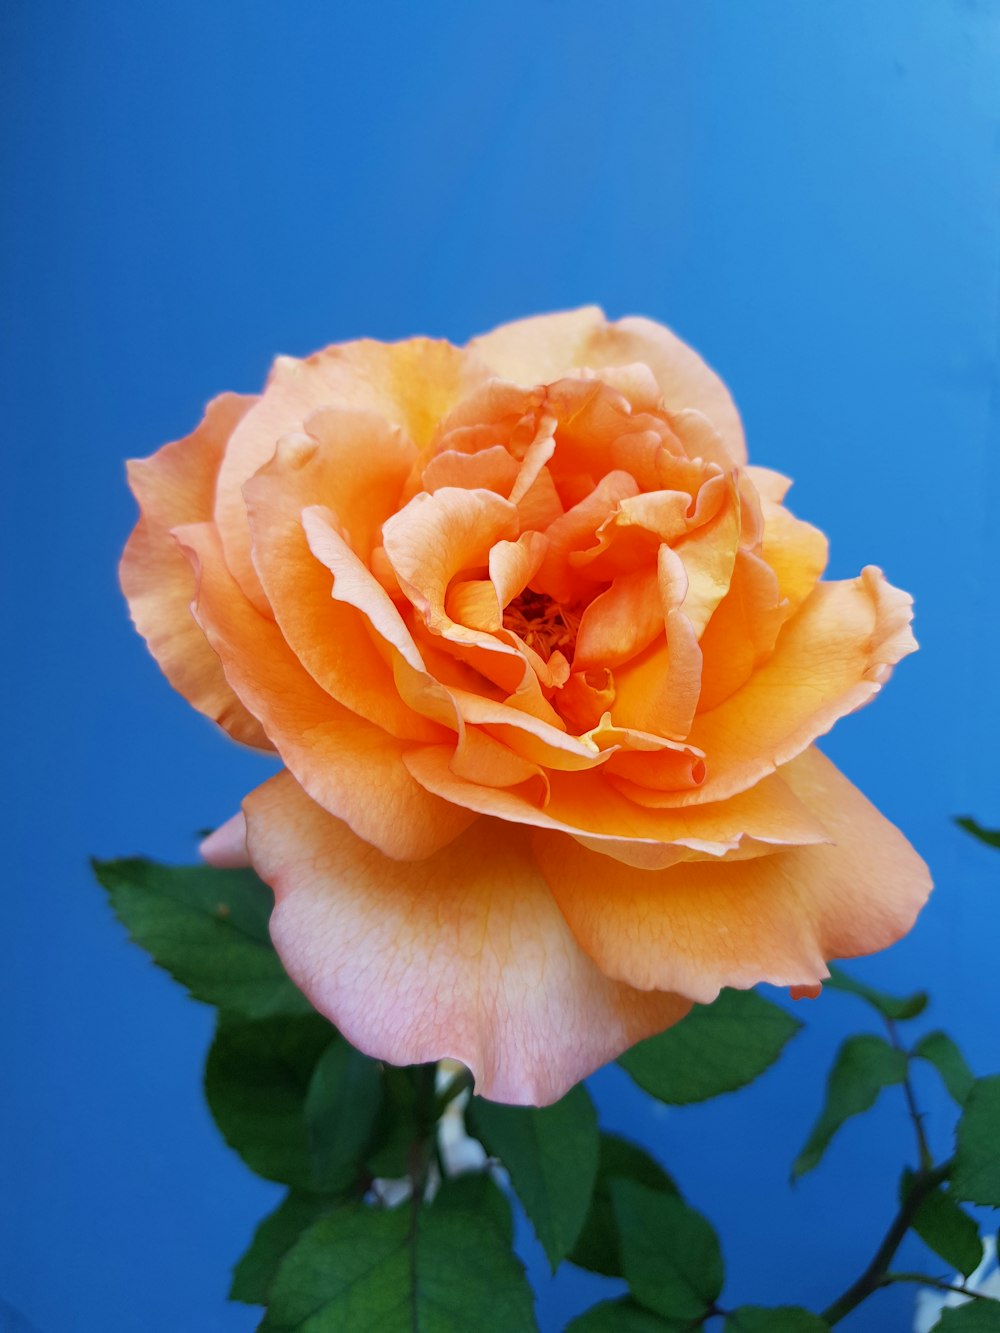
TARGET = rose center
x,y
542,623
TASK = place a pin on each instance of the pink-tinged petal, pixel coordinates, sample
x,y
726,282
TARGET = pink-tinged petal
x,y
832,657
601,818
351,767
462,956
177,485
699,926
411,384
330,637
226,847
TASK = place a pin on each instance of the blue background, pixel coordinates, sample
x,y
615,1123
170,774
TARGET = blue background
x,y
807,192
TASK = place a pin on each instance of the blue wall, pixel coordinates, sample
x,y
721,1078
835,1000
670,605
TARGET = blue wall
x,y
807,192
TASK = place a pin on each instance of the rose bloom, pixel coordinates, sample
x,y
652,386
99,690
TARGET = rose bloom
x,y
544,660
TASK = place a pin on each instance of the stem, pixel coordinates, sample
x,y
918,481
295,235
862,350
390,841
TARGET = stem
x,y
923,1280
873,1277
923,1147
455,1086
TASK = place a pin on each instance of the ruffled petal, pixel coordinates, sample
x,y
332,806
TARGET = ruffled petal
x,y
226,847
462,956
177,485
411,384
699,926
830,658
332,638
547,347
351,767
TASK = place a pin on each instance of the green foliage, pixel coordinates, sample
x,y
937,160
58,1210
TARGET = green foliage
x,y
208,929
975,1176
597,1247
257,1081
945,1228
990,836
342,1107
475,1192
939,1049
863,1067
437,1269
973,1317
253,1275
624,1316
717,1048
780,1319
892,1007
670,1254
551,1154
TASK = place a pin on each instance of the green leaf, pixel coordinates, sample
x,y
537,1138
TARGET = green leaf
x,y
551,1155
597,1247
439,1269
208,929
973,1317
939,1049
945,1228
990,836
975,1177
717,1048
341,1110
670,1254
253,1275
863,1067
780,1319
396,1128
889,1006
256,1081
624,1316
475,1192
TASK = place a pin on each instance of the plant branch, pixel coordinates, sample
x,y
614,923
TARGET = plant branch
x,y
925,1182
923,1280
923,1147
455,1086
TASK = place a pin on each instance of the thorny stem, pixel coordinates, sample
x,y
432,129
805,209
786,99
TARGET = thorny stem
x,y
924,1183
923,1147
923,1280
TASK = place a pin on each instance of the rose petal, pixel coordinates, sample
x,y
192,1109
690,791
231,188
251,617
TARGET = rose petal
x,y
600,816
226,848
697,927
462,956
541,349
350,766
328,635
411,384
832,657
177,485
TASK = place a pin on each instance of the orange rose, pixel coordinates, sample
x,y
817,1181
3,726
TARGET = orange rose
x,y
544,660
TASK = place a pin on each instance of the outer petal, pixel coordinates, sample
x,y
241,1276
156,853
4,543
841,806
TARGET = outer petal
x,y
348,764
462,956
226,847
830,658
546,347
699,926
177,485
412,384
